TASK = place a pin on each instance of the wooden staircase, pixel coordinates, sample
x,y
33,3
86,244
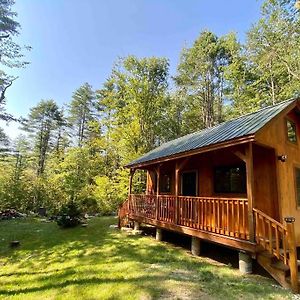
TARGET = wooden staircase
x,y
277,252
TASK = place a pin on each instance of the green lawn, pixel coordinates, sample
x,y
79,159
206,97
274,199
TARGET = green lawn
x,y
99,262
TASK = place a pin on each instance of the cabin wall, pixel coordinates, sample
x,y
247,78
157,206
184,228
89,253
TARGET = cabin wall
x,y
265,181
204,165
275,135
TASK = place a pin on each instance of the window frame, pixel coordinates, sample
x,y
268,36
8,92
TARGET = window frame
x,y
197,180
161,183
229,167
294,125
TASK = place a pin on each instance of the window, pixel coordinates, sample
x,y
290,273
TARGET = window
x,y
230,179
165,183
291,131
297,183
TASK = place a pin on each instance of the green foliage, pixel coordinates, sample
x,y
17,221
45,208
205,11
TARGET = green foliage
x,y
69,215
82,113
78,154
10,52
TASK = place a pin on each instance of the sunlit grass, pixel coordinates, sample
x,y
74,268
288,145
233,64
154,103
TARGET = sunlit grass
x,y
99,262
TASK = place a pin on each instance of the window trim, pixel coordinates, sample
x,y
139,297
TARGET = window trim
x,y
244,192
287,131
295,167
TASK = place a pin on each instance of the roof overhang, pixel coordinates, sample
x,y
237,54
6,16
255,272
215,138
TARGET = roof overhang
x,y
226,144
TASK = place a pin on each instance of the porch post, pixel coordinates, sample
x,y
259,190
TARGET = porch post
x,y
157,191
250,187
176,193
132,171
290,226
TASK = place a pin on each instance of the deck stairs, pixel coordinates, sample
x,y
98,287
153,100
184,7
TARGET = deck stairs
x,y
276,268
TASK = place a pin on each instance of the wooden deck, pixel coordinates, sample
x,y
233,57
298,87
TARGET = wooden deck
x,y
224,221
219,220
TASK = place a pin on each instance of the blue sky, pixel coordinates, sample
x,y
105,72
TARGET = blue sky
x,y
76,41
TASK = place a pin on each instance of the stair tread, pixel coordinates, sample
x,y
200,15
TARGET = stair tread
x,y
279,265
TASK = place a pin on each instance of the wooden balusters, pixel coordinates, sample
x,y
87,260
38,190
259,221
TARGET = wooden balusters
x,y
218,215
272,235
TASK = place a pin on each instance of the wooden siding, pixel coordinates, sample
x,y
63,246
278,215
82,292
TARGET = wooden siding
x,y
275,135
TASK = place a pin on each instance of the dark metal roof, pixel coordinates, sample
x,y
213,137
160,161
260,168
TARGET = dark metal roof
x,y
241,127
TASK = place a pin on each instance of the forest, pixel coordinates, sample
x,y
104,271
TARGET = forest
x,y
77,152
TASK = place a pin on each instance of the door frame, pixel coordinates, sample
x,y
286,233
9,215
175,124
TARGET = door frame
x,y
197,179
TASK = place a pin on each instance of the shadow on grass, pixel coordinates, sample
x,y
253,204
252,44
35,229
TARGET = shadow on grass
x,y
52,259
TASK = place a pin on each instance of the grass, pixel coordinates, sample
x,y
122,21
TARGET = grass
x,y
99,262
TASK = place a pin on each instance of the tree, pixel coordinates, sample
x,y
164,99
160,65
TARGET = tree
x,y
134,104
200,81
10,52
81,111
273,51
43,120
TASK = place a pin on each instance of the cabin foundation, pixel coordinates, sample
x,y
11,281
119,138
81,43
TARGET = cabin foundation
x,y
136,226
245,263
195,246
158,235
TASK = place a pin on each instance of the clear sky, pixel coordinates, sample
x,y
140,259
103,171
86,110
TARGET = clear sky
x,y
77,41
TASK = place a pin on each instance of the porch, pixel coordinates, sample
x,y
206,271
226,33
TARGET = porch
x,y
240,211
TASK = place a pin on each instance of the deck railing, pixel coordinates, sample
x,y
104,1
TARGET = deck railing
x,y
225,216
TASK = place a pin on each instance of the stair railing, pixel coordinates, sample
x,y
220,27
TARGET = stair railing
x,y
279,240
123,212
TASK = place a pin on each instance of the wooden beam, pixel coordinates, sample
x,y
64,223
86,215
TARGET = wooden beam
x,y
292,253
240,155
208,236
176,212
250,189
157,191
132,171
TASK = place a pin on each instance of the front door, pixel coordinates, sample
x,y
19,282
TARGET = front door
x,y
189,183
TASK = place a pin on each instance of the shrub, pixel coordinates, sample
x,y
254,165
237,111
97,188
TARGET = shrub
x,y
69,216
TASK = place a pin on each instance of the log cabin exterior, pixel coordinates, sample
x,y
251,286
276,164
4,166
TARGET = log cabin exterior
x,y
236,184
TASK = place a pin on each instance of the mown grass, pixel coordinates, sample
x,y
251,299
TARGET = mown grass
x,y
99,262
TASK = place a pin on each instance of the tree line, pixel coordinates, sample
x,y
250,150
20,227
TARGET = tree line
x,y
76,152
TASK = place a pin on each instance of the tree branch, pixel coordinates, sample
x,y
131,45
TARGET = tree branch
x,y
2,93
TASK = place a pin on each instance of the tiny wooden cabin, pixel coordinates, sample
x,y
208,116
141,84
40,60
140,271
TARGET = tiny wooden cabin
x,y
236,184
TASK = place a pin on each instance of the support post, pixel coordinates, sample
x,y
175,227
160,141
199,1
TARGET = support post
x,y
176,208
250,187
245,263
157,191
132,171
136,226
196,246
158,235
290,226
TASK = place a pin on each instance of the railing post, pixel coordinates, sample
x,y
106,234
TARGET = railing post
x,y
290,226
157,192
250,187
176,207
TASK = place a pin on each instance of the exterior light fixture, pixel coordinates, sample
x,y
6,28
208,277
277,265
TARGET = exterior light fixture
x,y
282,158
297,4
289,219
